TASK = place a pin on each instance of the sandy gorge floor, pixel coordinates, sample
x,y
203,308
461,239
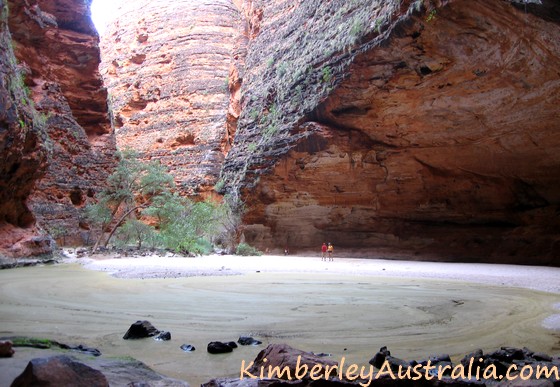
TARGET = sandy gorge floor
x,y
350,307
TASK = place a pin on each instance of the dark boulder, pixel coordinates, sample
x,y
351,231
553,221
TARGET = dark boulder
x,y
508,354
476,357
379,358
384,355
232,344
59,371
247,340
140,330
442,358
216,347
539,356
6,348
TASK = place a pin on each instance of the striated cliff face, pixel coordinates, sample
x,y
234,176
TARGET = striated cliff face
x,y
22,155
429,129
57,136
166,66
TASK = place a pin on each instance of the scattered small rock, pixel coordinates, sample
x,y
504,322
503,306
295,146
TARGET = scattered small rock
x,y
500,360
247,340
187,347
384,355
81,348
163,336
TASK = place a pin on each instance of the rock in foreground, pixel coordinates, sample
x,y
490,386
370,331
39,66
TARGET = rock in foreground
x,y
59,371
115,372
6,349
280,364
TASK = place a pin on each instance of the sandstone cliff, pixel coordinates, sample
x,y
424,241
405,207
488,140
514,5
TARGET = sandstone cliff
x,y
56,134
23,155
166,66
423,127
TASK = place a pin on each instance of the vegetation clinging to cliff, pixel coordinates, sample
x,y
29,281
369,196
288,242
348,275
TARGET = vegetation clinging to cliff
x,y
296,61
24,139
13,80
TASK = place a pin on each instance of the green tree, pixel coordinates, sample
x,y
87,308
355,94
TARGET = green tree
x,y
136,231
187,226
140,205
131,188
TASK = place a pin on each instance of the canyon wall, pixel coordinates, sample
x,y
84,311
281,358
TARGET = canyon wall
x,y
420,129
424,128
429,129
57,144
166,67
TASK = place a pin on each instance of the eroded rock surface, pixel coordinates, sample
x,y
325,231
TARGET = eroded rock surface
x,y
166,66
441,138
22,153
67,142
424,127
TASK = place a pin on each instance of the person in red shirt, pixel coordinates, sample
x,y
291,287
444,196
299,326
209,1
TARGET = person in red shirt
x,y
324,251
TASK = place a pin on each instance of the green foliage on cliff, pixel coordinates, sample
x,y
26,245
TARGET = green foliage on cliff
x,y
295,62
140,206
12,81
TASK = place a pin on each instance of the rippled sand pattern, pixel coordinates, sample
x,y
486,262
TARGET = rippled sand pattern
x,y
345,315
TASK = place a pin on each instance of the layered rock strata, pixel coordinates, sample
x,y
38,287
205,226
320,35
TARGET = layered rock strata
x,y
166,66
423,127
68,159
23,155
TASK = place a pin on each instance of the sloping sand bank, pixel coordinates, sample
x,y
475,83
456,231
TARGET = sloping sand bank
x,y
349,307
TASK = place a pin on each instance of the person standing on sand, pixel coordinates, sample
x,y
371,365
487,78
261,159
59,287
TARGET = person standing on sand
x,y
330,249
324,251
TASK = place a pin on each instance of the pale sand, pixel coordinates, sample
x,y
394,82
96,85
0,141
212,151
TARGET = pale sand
x,y
349,307
541,278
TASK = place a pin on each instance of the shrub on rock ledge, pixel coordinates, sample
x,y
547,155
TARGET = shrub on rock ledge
x,y
247,250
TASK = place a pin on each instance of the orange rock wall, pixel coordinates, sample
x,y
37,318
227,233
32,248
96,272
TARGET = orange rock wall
x,y
166,66
57,54
441,142
414,128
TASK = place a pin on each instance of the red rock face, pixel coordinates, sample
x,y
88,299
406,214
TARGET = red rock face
x,y
426,128
57,53
443,140
167,76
